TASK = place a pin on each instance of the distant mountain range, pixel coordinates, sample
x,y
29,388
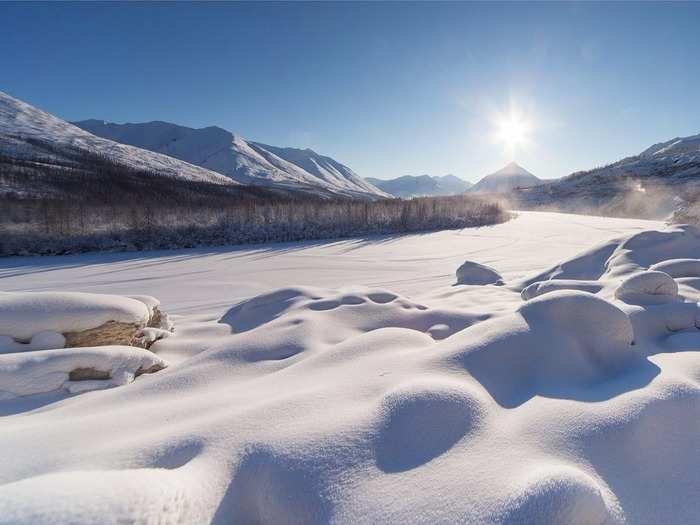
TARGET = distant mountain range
x,y
506,179
245,162
42,154
421,185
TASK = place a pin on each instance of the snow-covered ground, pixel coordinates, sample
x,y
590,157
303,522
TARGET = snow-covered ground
x,y
355,382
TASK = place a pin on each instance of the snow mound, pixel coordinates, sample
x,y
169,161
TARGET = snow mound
x,y
422,420
45,340
474,273
22,315
678,267
542,287
350,311
560,495
553,345
651,287
73,369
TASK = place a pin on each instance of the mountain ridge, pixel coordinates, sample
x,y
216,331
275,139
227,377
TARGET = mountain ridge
x,y
246,162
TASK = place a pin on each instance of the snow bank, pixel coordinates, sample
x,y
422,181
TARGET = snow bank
x,y
475,273
73,369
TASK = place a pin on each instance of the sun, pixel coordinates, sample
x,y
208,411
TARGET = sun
x,y
512,130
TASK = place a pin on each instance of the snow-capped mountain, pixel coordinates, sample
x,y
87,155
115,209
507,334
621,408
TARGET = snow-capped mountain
x,y
30,134
650,184
421,185
240,160
506,179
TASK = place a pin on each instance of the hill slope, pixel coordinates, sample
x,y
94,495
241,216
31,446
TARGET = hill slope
x,y
240,160
506,179
650,184
28,134
421,185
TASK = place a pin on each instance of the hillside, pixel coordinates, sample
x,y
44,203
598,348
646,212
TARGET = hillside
x,y
652,184
29,135
246,162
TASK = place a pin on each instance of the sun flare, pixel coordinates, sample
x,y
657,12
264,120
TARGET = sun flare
x,y
512,130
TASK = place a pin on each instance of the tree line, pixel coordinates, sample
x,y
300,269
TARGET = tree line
x,y
84,202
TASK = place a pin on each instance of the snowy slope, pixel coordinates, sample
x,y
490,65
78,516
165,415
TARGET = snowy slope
x,y
421,185
29,133
243,161
506,179
353,382
646,185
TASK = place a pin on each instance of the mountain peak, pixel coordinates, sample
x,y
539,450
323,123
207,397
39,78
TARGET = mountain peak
x,y
509,177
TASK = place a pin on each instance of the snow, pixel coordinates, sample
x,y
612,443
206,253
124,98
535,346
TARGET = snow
x,y
20,121
240,160
506,179
474,273
648,288
28,373
352,382
421,185
23,315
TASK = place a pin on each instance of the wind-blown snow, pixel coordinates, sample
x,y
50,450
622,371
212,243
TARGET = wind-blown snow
x,y
353,382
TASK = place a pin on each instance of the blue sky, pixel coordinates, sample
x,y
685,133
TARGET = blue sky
x,y
387,88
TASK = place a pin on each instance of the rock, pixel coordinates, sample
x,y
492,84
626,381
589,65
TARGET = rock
x,y
477,274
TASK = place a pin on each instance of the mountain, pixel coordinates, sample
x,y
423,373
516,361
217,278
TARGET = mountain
x,y
240,160
651,184
421,185
505,180
28,134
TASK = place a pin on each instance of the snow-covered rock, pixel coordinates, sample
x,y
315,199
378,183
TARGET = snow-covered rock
x,y
650,287
75,370
678,267
24,314
471,272
42,320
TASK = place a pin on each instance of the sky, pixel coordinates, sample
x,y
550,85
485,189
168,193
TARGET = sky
x,y
389,89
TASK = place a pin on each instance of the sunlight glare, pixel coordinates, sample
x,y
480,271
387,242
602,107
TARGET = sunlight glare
x,y
512,130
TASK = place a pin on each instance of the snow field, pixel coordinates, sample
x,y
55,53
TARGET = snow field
x,y
365,404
